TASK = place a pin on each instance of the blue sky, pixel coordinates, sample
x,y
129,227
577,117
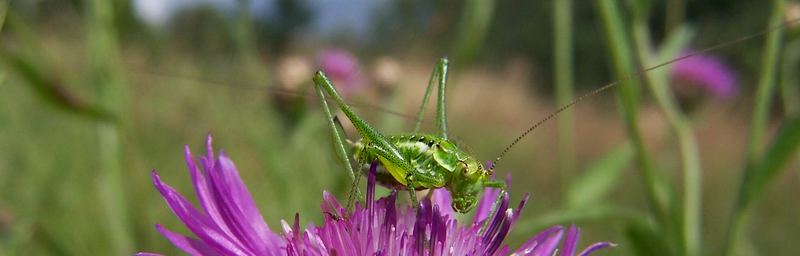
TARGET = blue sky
x,y
328,16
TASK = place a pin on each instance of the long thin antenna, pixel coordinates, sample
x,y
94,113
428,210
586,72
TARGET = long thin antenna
x,y
637,74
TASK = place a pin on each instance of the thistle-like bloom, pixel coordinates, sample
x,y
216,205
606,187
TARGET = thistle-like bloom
x,y
343,69
708,73
230,224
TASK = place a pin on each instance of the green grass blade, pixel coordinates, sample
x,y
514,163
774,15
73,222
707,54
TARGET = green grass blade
x,y
599,179
106,78
599,212
758,176
49,89
645,239
475,21
766,82
764,93
622,56
784,147
680,125
30,65
563,62
790,82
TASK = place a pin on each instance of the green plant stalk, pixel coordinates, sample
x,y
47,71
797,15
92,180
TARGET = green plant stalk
x,y
628,94
790,81
103,60
758,175
790,84
245,43
562,43
766,83
681,126
764,92
475,21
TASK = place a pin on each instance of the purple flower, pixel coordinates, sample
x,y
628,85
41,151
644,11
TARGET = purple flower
x,y
230,224
343,69
707,72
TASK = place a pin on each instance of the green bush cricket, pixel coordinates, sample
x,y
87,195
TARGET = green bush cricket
x,y
414,161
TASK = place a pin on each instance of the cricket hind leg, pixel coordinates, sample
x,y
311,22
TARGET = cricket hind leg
x,y
438,76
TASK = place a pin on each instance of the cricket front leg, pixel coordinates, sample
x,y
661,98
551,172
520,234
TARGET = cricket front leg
x,y
354,191
339,142
412,192
500,196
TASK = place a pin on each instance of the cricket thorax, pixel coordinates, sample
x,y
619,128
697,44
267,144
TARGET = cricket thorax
x,y
437,162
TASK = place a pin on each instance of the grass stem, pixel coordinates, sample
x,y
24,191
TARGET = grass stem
x,y
562,44
764,93
658,81
105,77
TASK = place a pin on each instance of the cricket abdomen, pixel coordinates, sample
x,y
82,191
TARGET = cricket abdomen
x,y
420,151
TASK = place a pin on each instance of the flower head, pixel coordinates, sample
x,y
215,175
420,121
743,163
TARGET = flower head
x,y
706,72
230,224
343,69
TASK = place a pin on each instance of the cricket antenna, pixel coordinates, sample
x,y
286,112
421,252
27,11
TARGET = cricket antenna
x,y
640,73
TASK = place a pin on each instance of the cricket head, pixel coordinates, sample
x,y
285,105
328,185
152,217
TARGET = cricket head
x,y
466,188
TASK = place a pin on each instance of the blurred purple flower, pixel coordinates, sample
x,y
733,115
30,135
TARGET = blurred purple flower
x,y
708,72
230,223
343,69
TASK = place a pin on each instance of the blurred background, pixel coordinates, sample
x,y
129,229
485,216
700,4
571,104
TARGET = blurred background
x,y
694,158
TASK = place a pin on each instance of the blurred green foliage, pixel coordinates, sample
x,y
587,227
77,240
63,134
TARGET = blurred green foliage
x,y
80,185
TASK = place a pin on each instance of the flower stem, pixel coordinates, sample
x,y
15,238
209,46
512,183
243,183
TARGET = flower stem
x,y
681,127
790,84
627,91
764,92
562,43
473,27
766,83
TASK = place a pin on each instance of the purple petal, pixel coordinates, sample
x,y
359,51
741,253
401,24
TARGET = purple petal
x,y
537,240
198,223
573,234
238,208
373,169
499,218
207,161
521,206
595,247
485,204
330,205
204,192
189,245
501,234
441,197
147,254
549,244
